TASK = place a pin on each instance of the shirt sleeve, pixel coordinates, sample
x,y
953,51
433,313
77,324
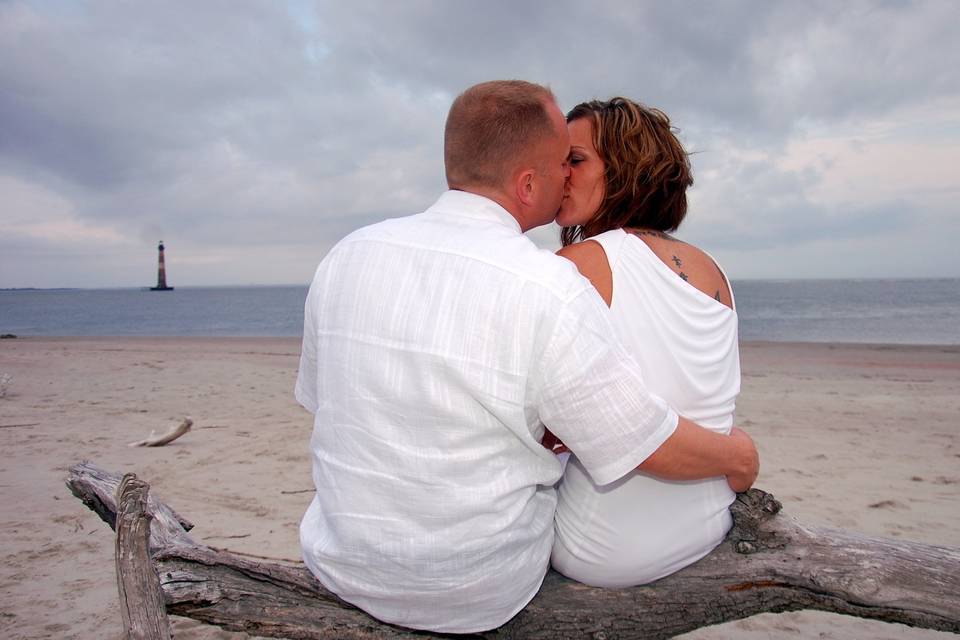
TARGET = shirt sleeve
x,y
593,396
306,387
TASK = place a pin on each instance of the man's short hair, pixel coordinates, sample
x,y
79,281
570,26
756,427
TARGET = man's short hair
x,y
491,127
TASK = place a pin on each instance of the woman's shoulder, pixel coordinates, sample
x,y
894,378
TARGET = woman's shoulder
x,y
689,262
591,261
662,243
585,251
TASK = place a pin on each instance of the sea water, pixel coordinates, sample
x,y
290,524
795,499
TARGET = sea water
x,y
923,311
865,311
185,311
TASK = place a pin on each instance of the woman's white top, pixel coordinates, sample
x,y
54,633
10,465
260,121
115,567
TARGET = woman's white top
x,y
639,528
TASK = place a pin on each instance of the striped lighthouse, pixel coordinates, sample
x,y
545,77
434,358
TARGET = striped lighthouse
x,y
161,273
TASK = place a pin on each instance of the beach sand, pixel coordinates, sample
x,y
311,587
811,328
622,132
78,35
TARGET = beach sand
x,y
853,436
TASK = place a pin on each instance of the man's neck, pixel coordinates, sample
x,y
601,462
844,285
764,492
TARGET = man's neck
x,y
509,205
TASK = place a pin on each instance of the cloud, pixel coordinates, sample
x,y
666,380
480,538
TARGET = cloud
x,y
35,215
868,190
240,128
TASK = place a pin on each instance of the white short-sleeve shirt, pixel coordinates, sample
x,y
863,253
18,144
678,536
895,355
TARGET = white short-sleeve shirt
x,y
435,348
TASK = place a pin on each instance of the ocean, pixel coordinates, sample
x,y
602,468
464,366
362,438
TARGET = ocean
x,y
862,311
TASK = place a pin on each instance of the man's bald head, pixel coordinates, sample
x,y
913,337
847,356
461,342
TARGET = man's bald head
x,y
492,128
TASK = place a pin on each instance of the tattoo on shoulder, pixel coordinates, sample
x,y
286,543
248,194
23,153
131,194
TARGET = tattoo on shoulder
x,y
653,234
677,261
684,276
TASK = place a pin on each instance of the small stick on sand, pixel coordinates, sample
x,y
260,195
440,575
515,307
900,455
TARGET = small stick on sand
x,y
5,380
154,440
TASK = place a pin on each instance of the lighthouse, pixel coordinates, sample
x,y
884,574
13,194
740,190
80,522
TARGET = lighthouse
x,y
161,273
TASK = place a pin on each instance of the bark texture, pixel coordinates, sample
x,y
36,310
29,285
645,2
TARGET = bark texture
x,y
142,606
769,563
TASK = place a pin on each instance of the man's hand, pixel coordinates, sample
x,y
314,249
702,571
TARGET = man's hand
x,y
746,461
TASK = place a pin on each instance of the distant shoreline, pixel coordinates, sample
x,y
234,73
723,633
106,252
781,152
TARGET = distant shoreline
x,y
149,287
307,284
878,346
915,312
41,289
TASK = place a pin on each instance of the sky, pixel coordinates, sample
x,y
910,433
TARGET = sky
x,y
250,136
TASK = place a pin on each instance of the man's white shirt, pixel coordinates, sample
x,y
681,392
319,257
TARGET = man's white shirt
x,y
435,349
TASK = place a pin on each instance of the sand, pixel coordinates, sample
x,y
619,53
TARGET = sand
x,y
861,437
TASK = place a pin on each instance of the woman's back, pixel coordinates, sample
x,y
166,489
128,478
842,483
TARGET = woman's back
x,y
639,528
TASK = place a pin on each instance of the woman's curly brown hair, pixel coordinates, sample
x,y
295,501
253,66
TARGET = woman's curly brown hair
x,y
646,169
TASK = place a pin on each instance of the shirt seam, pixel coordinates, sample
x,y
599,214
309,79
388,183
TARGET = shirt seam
x,y
617,469
519,274
614,344
418,350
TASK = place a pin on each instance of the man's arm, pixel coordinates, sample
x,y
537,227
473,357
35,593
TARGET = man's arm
x,y
693,453
593,397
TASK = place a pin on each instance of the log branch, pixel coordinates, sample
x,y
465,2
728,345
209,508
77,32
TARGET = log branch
x,y
769,563
142,606
159,439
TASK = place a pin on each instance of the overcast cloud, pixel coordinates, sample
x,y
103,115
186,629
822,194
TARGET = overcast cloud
x,y
251,135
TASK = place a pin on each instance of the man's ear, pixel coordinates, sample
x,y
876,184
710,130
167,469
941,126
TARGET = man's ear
x,y
526,186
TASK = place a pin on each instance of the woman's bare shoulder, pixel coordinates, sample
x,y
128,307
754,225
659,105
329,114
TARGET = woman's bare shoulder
x,y
664,244
689,262
586,251
591,261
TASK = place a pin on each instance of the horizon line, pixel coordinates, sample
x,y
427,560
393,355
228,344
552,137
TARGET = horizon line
x,y
307,284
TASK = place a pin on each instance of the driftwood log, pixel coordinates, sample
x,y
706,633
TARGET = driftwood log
x,y
159,439
141,601
769,563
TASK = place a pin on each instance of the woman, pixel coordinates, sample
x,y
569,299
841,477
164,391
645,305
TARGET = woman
x,y
673,309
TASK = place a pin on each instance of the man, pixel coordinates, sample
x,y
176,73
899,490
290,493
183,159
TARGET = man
x,y
435,349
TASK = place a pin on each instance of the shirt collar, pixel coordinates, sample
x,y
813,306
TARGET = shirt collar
x,y
471,205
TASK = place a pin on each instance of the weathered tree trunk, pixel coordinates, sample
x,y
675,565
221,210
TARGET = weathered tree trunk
x,y
142,607
769,563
